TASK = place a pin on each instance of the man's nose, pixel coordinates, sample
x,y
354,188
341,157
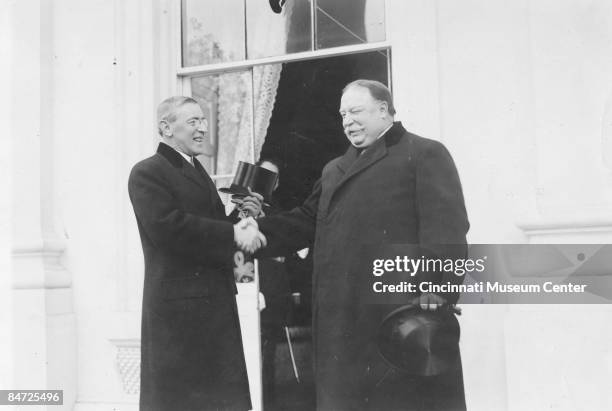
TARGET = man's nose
x,y
203,127
347,120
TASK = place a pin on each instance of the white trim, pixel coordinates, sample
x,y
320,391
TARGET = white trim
x,y
246,30
40,254
185,86
388,40
390,72
568,229
252,116
258,320
387,31
220,176
167,38
313,26
51,249
177,17
306,55
578,224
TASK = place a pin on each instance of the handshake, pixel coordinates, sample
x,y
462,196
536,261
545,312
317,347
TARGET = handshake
x,y
247,235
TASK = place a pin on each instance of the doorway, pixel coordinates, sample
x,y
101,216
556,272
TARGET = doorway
x,y
304,134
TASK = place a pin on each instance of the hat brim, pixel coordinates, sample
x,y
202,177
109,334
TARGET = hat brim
x,y
236,191
405,341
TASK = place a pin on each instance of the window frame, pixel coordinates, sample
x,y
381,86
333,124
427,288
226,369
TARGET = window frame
x,y
183,75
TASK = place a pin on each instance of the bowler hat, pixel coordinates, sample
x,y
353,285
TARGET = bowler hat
x,y
419,342
249,176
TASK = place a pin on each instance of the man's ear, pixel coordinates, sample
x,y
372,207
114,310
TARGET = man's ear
x,y
164,126
384,108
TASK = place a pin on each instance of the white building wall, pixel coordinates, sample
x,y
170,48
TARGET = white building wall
x,y
6,310
520,92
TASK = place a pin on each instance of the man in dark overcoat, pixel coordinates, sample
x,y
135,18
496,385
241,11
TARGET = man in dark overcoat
x,y
390,187
191,346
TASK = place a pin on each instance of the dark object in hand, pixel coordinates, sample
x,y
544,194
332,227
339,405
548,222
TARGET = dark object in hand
x,y
419,342
249,176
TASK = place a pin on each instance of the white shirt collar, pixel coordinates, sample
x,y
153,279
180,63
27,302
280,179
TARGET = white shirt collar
x,y
185,156
384,131
379,136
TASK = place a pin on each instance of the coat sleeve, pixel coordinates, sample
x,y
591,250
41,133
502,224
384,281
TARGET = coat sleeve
x,y
443,222
292,230
169,227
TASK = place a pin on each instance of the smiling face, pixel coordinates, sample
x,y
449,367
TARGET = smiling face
x,y
363,117
187,131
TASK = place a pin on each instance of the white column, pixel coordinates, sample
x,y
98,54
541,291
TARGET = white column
x,y
6,297
44,341
104,87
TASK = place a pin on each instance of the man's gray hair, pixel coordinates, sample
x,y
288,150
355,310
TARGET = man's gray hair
x,y
166,111
377,89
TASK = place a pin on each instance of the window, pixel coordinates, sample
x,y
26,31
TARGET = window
x,y
236,53
237,30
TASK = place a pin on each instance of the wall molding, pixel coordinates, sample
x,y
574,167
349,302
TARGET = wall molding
x,y
572,225
45,254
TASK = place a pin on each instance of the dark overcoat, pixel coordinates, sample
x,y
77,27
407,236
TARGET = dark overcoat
x,y
402,189
191,346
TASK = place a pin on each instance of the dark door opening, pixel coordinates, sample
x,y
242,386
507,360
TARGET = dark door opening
x,y
305,133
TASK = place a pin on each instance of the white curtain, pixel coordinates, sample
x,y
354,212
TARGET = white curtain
x,y
244,101
267,36
265,81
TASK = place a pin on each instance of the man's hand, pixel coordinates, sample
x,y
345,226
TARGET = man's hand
x,y
249,206
246,222
429,301
248,237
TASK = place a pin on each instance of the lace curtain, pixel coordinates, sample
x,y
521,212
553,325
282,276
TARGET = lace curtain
x,y
240,103
245,100
244,110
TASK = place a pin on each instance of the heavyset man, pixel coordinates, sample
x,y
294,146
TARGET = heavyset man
x,y
390,187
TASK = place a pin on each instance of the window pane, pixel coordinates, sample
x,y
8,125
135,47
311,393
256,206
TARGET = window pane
x,y
227,101
344,22
272,34
212,31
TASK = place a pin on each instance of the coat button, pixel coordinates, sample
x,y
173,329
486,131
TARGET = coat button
x,y
197,274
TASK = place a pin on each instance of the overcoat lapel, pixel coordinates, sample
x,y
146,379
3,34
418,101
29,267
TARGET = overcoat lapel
x,y
212,189
352,164
194,175
374,153
179,162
